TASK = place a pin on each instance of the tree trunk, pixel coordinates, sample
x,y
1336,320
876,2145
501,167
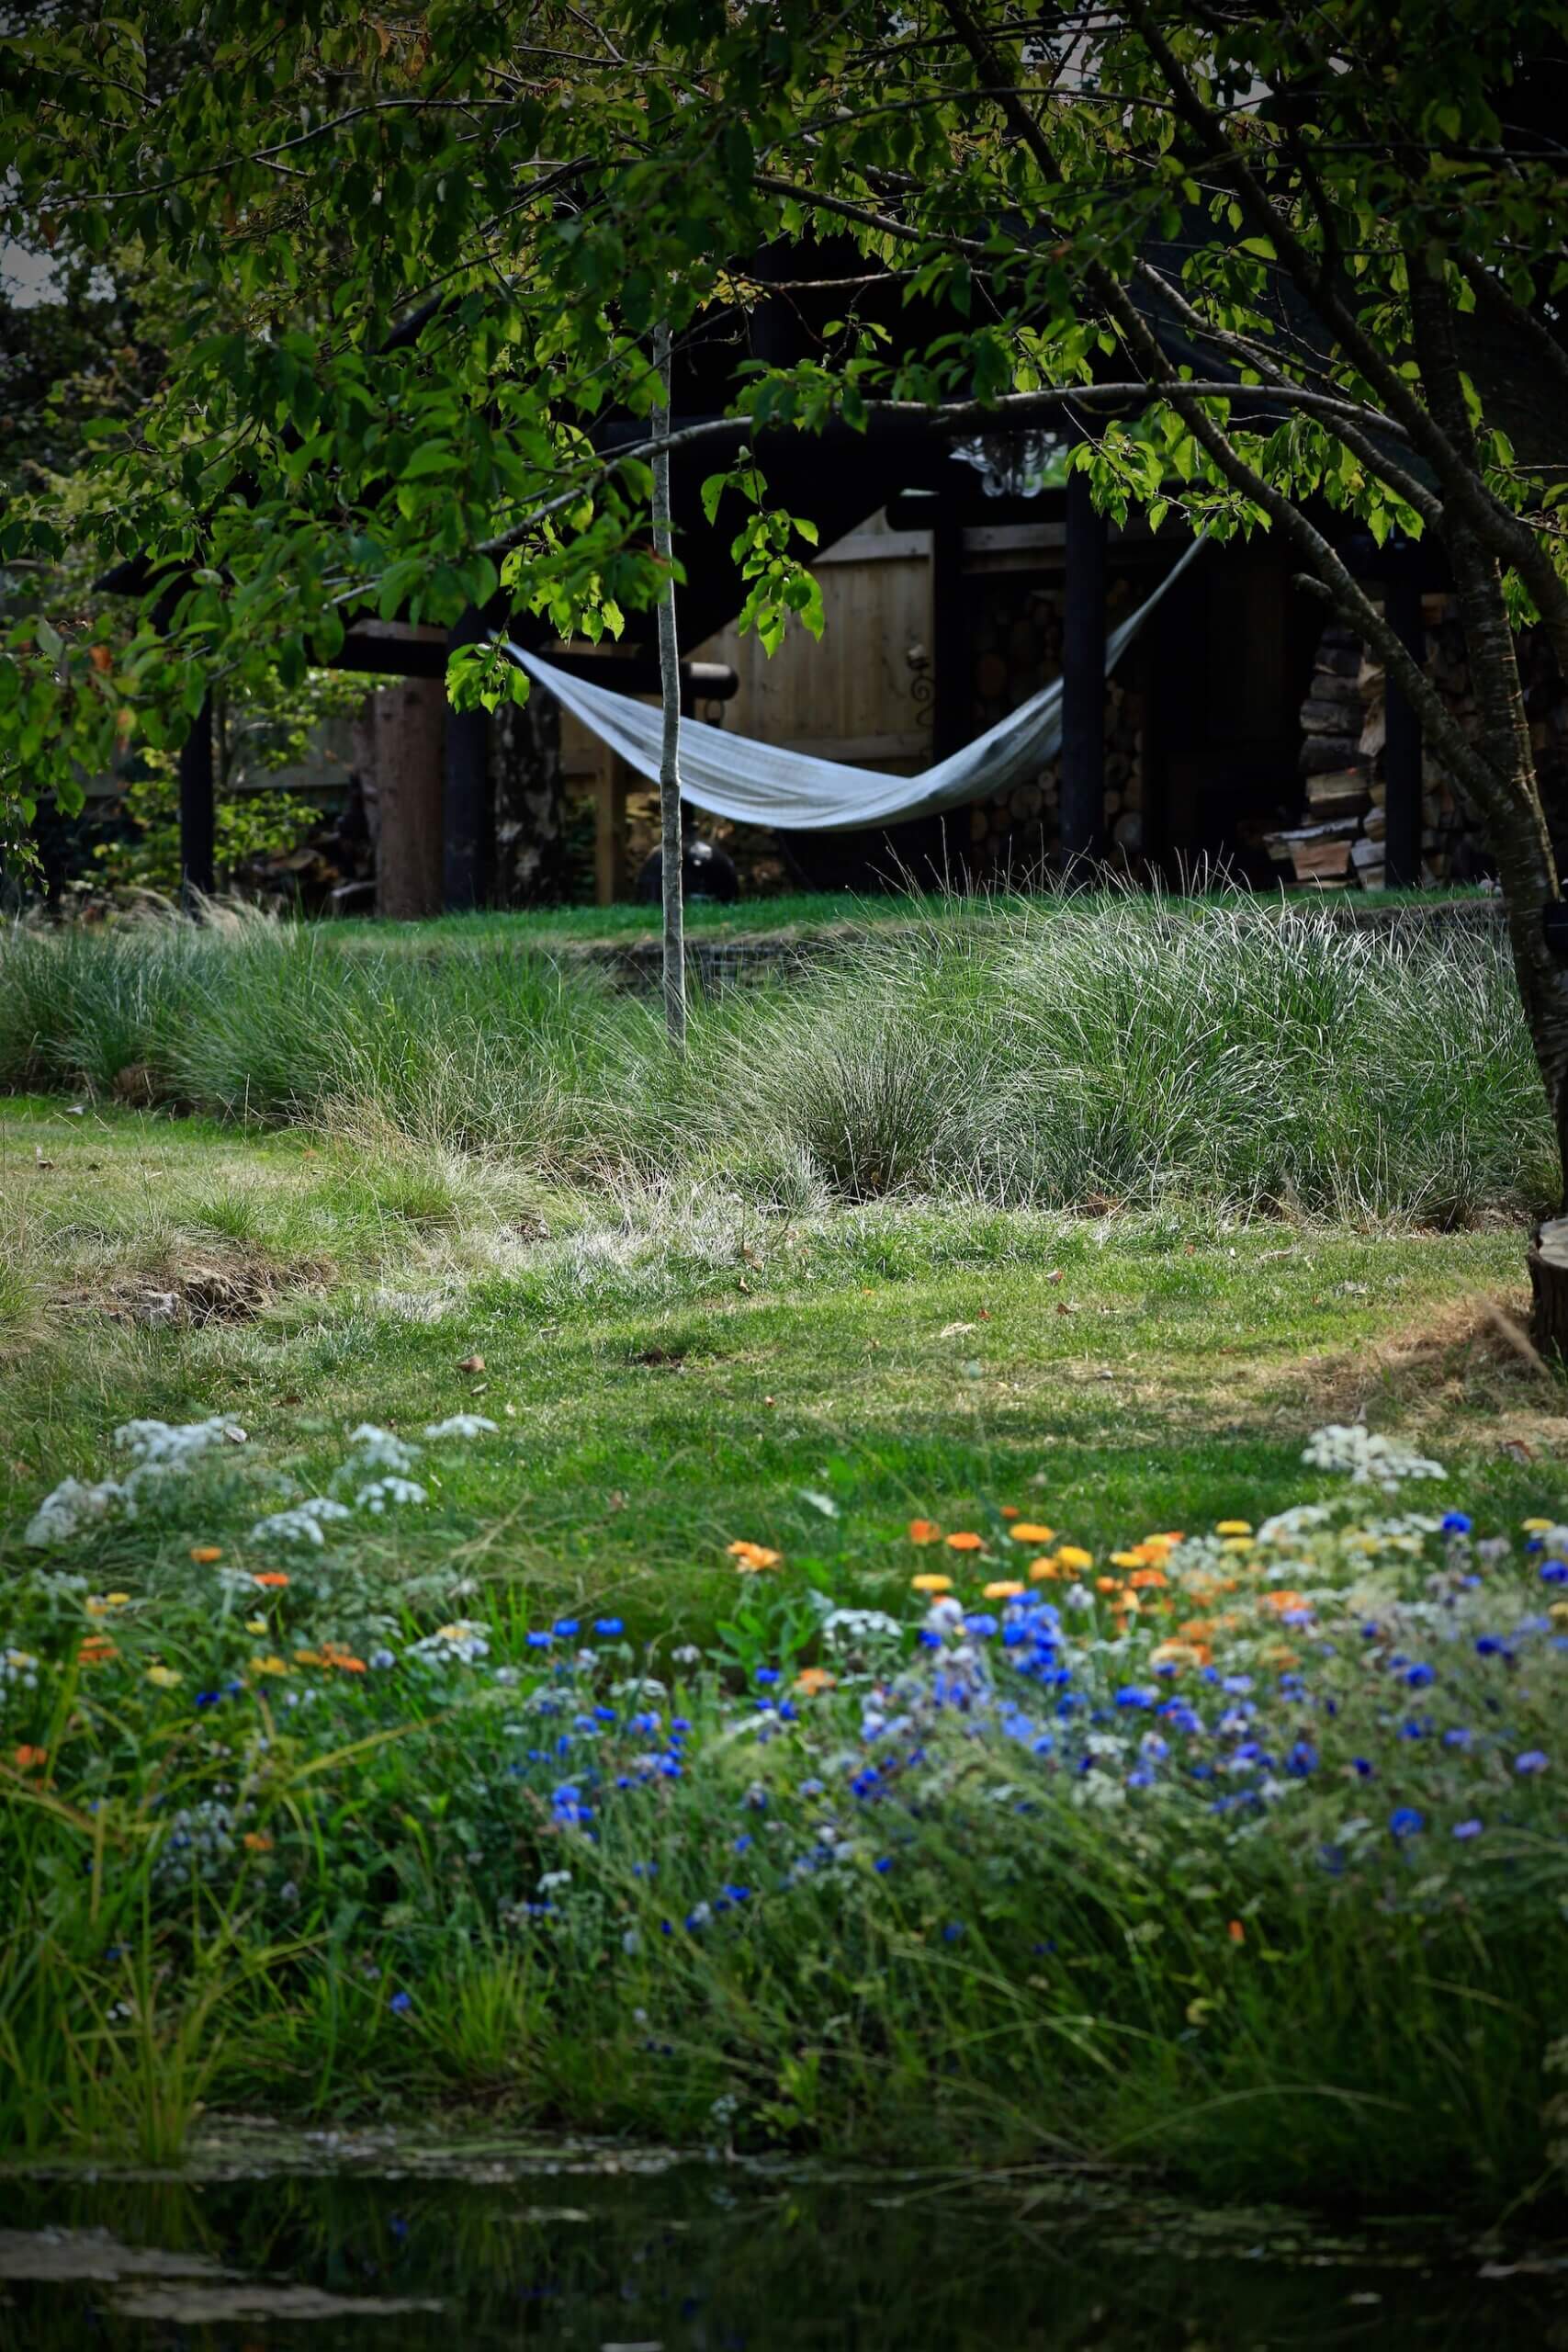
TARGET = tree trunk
x,y
671,845
409,722
530,801
1548,1287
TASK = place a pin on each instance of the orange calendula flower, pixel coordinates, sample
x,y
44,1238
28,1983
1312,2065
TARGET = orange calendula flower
x,y
1073,1555
271,1579
255,1842
1003,1591
32,1759
1236,1932
1108,1584
1009,1510
1148,1581
1283,1600
96,1650
930,1583
812,1680
965,1542
1029,1531
204,1554
924,1531
751,1558
1042,1571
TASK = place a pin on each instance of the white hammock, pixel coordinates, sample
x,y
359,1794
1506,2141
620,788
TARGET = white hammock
x,y
763,783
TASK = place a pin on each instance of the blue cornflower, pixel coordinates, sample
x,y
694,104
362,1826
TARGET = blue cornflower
x,y
1554,1572
540,1641
1487,1646
744,1841
401,2004
608,1626
1456,1523
883,1865
981,1625
1405,1821
208,1698
1130,1695
1467,1828
739,1893
566,1627
1142,1779
1460,1736
1419,1677
1363,1769
953,1930
1534,1759
603,1715
768,1675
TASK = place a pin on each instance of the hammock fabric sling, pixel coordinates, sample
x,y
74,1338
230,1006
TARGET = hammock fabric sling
x,y
762,784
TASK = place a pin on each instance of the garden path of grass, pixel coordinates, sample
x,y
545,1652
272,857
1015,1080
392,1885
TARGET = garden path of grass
x,y
676,1374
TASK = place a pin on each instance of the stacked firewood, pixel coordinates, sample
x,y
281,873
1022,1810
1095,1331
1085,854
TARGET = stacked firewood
x,y
1015,647
1340,842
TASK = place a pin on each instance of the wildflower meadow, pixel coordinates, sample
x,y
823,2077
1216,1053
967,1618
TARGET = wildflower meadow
x,y
1231,1848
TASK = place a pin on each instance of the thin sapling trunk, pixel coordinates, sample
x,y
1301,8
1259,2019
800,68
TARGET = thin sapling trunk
x,y
669,694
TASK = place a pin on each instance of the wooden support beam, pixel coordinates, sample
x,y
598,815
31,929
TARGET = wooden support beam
x,y
951,692
1402,745
612,879
465,806
198,813
1083,678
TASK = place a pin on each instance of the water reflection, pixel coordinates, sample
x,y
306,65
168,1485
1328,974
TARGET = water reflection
x,y
692,2259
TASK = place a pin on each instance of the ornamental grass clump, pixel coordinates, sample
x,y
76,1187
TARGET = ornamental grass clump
x,y
1234,1850
1089,1053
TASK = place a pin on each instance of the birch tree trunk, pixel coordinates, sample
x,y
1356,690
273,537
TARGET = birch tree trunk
x,y
671,845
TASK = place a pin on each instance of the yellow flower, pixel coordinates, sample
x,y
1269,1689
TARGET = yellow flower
x,y
163,1676
1028,1532
1002,1591
1073,1555
1538,1526
1042,1569
255,1624
1233,1527
1129,1559
930,1583
270,1665
1236,1543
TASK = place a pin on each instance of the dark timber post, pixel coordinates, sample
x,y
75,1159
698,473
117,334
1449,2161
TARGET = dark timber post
x,y
949,636
465,805
198,814
1402,744
1083,677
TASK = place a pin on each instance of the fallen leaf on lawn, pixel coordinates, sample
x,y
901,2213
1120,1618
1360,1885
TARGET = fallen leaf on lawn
x,y
472,1363
951,1331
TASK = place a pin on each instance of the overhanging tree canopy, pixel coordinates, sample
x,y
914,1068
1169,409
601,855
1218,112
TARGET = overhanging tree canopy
x,y
1278,262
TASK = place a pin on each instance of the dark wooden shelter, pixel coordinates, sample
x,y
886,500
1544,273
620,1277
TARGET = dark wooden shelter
x,y
840,477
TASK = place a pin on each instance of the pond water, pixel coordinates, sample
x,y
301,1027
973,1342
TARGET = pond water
x,y
330,2241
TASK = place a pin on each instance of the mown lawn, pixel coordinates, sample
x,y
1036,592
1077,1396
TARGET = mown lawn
x,y
674,1372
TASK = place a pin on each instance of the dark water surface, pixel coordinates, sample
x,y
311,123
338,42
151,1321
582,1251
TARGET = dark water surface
x,y
270,2245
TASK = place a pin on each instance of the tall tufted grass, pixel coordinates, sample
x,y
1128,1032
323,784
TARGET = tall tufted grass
x,y
1090,1053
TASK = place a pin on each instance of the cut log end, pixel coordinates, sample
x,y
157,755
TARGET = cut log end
x,y
1548,1264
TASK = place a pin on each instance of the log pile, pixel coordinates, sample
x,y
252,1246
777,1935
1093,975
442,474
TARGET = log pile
x,y
1015,648
1340,842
